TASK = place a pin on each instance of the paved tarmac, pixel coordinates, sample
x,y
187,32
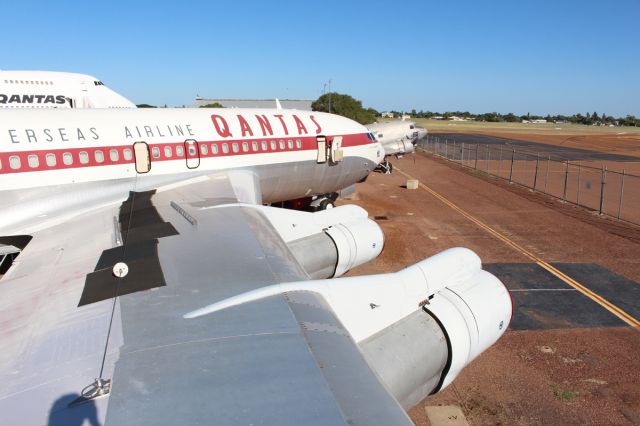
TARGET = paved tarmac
x,y
556,152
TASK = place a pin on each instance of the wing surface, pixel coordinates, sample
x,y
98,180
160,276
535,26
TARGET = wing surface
x,y
280,360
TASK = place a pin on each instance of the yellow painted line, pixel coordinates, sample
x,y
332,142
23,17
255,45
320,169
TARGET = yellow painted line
x,y
624,316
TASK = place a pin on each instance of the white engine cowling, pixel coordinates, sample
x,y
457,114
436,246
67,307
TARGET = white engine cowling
x,y
417,328
328,243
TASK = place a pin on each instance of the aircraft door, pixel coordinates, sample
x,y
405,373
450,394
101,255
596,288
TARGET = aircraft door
x,y
142,157
192,151
322,149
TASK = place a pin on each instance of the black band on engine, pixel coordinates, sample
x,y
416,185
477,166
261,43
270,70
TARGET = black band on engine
x,y
447,366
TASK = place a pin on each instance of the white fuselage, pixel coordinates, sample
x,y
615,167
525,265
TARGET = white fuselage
x,y
55,161
49,89
397,137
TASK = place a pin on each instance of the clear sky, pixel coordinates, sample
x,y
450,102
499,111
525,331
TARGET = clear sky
x,y
507,56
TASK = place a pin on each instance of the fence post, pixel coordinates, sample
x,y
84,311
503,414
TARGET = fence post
x,y
579,183
462,154
513,155
602,183
621,194
487,158
499,159
535,177
446,149
546,176
566,177
475,166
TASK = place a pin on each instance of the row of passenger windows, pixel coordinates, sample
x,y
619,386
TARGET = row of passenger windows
x,y
46,83
225,148
68,158
83,157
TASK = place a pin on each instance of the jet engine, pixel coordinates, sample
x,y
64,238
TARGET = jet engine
x,y
416,328
328,243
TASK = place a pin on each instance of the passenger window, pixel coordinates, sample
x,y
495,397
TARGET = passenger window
x,y
245,146
33,161
155,152
298,143
128,155
264,145
273,145
290,144
203,149
99,156
179,151
281,144
14,162
50,160
168,152
84,157
235,147
225,148
214,148
192,150
113,155
67,158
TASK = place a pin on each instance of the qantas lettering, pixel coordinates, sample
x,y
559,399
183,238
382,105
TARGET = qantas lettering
x,y
32,99
60,134
247,126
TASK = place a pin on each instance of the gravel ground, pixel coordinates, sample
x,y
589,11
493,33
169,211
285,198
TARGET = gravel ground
x,y
558,376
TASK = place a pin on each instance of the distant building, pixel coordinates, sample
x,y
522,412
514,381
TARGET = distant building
x,y
386,115
405,117
300,104
542,121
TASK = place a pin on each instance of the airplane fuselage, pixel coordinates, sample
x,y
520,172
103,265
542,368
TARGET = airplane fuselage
x,y
55,160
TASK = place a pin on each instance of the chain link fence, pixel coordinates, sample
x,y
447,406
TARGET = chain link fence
x,y
608,192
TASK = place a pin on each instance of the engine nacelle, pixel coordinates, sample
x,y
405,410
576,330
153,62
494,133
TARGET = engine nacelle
x,y
338,248
417,328
328,243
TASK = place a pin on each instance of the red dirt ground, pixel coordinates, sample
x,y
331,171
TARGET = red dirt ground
x,y
591,375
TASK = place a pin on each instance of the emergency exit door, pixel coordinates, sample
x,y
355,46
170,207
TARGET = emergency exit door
x,y
192,151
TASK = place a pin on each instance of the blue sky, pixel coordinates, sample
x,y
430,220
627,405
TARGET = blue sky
x,y
539,57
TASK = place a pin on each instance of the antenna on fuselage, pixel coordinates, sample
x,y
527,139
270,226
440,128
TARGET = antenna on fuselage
x,y
278,106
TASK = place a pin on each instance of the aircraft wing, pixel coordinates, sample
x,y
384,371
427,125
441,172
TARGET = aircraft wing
x,y
283,359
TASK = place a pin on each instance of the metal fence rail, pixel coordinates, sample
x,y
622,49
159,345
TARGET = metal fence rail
x,y
608,192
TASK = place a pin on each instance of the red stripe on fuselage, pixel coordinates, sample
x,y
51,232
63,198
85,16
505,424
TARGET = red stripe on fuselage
x,y
307,143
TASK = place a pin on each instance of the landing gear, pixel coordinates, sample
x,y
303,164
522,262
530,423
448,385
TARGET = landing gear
x,y
323,202
385,167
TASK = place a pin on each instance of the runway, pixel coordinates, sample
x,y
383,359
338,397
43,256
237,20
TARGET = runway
x,y
556,152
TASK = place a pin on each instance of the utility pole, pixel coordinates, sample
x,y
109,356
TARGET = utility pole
x,y
329,96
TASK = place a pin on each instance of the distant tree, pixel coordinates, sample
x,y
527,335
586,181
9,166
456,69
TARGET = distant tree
x,y
511,118
213,105
346,106
145,106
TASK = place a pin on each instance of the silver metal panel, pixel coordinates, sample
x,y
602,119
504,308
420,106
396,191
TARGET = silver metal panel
x,y
51,348
409,357
362,398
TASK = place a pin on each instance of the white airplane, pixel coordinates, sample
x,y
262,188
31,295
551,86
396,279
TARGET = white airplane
x,y
397,137
49,89
154,286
